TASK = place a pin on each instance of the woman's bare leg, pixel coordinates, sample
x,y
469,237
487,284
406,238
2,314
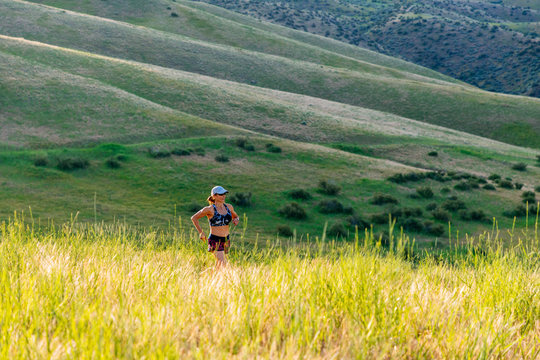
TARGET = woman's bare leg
x,y
221,259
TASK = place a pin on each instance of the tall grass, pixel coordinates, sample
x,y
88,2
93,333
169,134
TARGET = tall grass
x,y
114,291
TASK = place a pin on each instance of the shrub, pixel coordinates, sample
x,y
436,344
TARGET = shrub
x,y
41,161
518,186
433,229
529,196
381,199
329,188
241,142
173,14
241,199
300,194
221,158
112,163
330,207
478,215
441,215
412,212
519,166
381,218
273,148
433,153
68,164
200,151
425,192
194,207
506,184
403,178
413,224
293,211
494,177
453,205
356,220
249,147
431,206
337,229
445,190
463,186
489,187
284,230
156,152
181,152
464,215
518,211
121,157
537,188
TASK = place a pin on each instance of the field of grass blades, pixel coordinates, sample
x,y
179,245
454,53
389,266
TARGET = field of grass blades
x,y
113,291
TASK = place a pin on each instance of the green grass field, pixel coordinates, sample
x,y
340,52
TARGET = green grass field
x,y
113,291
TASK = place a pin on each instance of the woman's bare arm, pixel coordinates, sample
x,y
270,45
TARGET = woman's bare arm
x,y
195,220
235,217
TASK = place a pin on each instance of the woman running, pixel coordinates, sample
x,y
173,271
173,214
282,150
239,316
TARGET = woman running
x,y
219,215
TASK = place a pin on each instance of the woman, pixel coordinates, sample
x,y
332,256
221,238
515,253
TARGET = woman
x,y
219,216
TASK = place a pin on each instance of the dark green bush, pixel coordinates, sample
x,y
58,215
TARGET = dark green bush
x,y
221,158
506,184
348,210
494,177
463,186
478,215
68,164
441,215
453,205
112,163
241,199
445,190
412,212
284,230
413,224
518,186
381,199
433,229
528,196
330,207
537,188
381,218
273,148
157,153
329,188
41,161
518,211
465,215
489,187
337,229
121,157
356,220
519,166
433,153
249,147
293,211
431,206
200,151
241,142
194,207
300,194
181,152
425,192
403,178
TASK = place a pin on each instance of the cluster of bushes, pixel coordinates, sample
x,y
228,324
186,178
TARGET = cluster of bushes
x,y
72,163
439,176
409,219
293,211
241,199
300,194
521,211
519,166
222,158
244,143
425,192
273,148
329,188
473,215
333,207
157,152
529,197
381,199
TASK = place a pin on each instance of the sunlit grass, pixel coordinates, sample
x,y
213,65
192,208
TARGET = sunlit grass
x,y
113,291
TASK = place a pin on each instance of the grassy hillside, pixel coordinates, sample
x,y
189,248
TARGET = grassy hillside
x,y
491,44
413,96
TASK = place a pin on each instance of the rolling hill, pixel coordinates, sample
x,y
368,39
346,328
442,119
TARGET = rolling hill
x,y
126,117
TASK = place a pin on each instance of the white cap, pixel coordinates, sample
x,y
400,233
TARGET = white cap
x,y
220,190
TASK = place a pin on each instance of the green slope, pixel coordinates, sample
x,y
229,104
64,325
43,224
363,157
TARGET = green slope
x,y
506,118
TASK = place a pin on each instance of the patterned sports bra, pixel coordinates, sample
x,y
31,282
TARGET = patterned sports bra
x,y
219,219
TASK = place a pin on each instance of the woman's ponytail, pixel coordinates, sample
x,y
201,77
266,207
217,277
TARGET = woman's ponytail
x,y
211,200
